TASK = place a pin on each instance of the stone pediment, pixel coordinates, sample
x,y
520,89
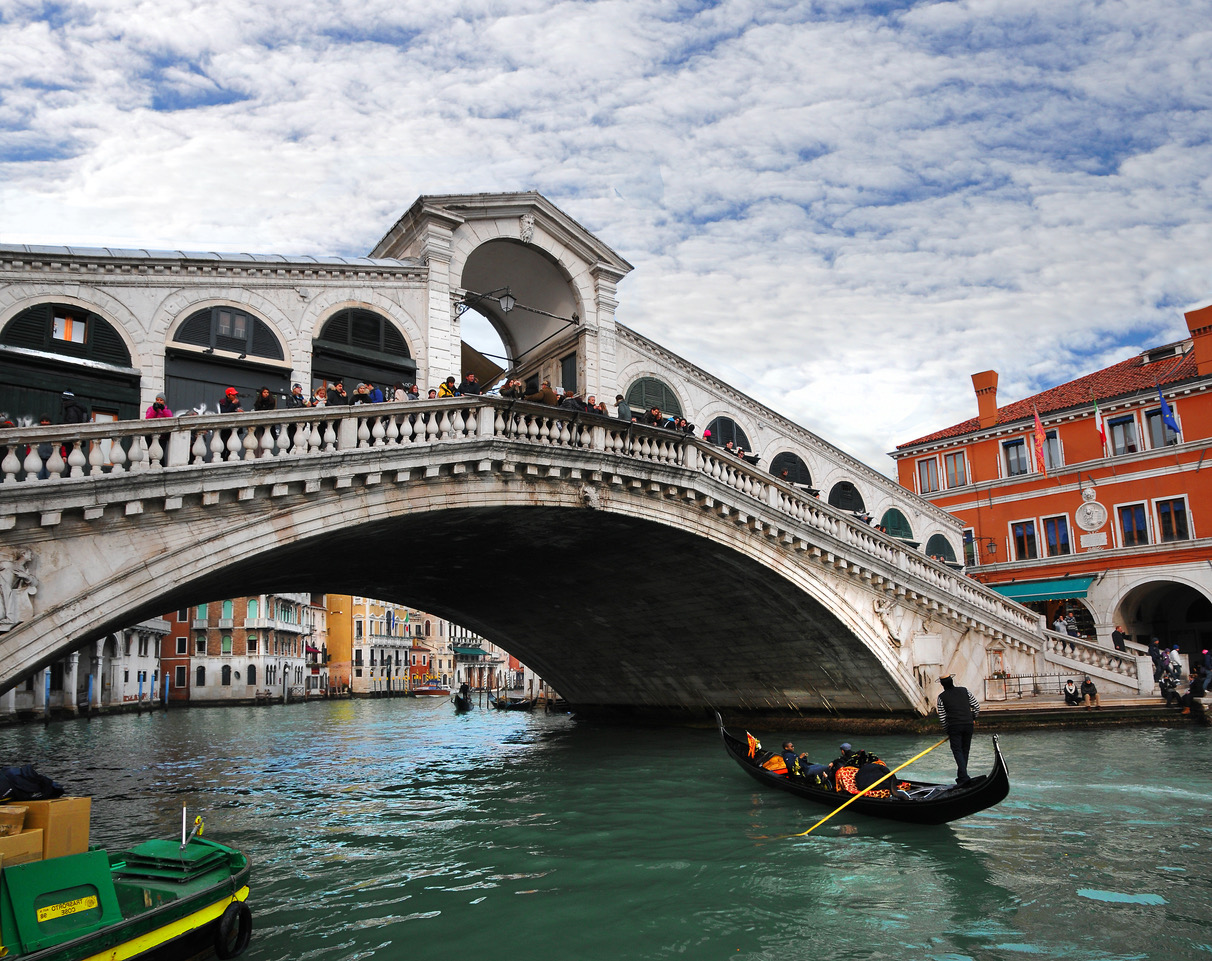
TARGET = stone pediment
x,y
406,238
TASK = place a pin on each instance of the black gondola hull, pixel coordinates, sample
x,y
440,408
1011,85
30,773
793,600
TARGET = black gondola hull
x,y
946,805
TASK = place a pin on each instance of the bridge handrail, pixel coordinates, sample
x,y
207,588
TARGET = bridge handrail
x,y
217,440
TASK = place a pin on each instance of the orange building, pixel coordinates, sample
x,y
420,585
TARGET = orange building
x,y
1115,531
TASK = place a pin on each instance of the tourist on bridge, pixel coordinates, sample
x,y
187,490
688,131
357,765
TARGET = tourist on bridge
x,y
399,392
1090,695
1118,636
957,711
159,408
376,395
544,395
447,388
265,400
470,385
336,394
319,397
623,408
514,389
1072,697
295,398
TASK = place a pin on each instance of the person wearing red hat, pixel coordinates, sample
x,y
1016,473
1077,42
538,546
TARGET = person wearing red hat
x,y
230,404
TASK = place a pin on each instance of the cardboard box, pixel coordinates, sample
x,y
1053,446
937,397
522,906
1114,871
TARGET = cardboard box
x,y
19,848
64,824
12,819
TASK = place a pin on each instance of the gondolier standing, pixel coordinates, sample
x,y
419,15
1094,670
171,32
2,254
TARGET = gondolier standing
x,y
957,711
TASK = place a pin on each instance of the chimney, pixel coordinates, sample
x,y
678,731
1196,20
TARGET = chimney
x,y
985,384
1199,322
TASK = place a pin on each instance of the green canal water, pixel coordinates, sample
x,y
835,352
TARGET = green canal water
x,y
396,829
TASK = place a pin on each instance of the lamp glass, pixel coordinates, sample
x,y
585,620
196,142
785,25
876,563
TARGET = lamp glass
x,y
507,301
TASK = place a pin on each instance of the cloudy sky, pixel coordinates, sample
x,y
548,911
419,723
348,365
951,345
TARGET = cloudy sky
x,y
843,207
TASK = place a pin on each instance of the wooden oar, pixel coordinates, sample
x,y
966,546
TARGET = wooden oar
x,y
869,788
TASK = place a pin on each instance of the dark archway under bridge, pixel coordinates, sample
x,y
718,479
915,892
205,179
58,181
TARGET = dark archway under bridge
x,y
613,610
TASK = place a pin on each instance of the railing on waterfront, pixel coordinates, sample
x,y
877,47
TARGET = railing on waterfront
x,y
69,454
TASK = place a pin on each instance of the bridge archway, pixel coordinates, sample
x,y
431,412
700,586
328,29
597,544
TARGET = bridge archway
x,y
546,308
1172,611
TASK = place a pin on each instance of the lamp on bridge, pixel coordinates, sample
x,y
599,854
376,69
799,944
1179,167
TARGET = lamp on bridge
x,y
507,301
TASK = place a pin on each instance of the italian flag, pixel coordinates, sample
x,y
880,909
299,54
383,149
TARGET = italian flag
x,y
1098,423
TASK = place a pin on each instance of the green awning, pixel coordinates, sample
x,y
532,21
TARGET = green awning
x,y
1058,589
471,651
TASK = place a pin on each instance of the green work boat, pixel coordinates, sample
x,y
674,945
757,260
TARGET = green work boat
x,y
162,899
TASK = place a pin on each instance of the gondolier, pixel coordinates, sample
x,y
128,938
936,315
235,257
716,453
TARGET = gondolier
x,y
957,711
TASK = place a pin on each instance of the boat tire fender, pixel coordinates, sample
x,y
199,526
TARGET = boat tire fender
x,y
234,932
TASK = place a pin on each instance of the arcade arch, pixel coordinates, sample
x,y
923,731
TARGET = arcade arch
x,y
649,392
897,524
63,346
542,305
1171,611
219,346
845,496
725,429
938,546
797,470
356,344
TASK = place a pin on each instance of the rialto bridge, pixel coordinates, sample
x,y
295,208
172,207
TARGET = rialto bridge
x,y
628,565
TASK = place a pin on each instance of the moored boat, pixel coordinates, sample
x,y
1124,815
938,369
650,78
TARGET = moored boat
x,y
512,704
920,802
159,900
431,689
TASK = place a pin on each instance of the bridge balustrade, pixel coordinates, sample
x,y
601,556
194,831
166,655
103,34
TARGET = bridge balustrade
x,y
35,456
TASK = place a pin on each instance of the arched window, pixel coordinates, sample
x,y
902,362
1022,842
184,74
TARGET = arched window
x,y
67,330
253,607
428,629
227,610
225,676
897,524
845,496
796,471
200,677
231,329
359,345
725,429
251,675
648,392
939,546
66,348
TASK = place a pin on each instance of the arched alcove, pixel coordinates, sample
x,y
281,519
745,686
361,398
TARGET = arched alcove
x,y
649,392
725,429
238,349
845,496
1173,612
896,524
789,467
65,347
938,546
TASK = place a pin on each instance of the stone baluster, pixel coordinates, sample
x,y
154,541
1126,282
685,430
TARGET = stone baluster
x,y
155,453
407,430
378,432
432,430
457,424
10,465
250,444
138,454
76,459
330,437
363,432
117,457
391,435
33,463
444,425
54,463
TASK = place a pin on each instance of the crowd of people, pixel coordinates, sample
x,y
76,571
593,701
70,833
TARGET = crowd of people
x,y
1169,675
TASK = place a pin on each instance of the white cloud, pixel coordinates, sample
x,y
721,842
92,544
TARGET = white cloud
x,y
854,208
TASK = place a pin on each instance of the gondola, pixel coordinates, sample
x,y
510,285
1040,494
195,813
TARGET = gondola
x,y
505,704
928,803
462,702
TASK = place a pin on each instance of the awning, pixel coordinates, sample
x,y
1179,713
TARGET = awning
x,y
312,650
1057,589
471,651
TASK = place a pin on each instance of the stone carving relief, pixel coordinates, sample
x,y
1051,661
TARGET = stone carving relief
x,y
18,585
527,224
885,609
1091,515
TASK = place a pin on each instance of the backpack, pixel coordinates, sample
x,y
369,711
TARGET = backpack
x,y
25,784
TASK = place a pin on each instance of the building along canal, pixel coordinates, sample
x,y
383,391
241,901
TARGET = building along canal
x,y
396,829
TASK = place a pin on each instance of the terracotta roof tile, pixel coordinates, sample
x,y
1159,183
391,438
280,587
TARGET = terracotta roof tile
x,y
1127,377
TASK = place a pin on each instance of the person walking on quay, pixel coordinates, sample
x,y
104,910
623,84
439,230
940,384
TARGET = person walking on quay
x,y
957,711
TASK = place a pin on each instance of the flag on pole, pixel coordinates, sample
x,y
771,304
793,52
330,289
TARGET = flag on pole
x,y
1168,417
1038,440
1098,423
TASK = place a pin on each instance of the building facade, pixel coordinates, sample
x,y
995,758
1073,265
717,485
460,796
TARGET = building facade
x,y
1104,510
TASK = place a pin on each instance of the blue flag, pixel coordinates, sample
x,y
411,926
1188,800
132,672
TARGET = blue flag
x,y
1168,414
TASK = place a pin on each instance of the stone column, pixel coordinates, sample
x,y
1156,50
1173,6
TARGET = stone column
x,y
8,703
443,352
95,673
601,369
70,670
40,691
